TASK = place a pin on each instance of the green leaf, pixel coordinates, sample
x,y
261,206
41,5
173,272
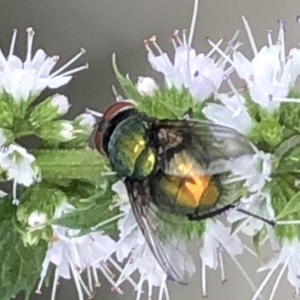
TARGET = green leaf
x,y
92,211
126,84
20,265
292,206
171,103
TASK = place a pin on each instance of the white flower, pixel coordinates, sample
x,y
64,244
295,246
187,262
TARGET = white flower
x,y
196,72
61,103
254,169
23,80
258,204
289,258
19,165
67,131
146,86
232,113
132,246
37,218
72,254
269,75
87,121
216,240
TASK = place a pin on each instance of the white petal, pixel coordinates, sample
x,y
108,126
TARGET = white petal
x,y
59,81
243,65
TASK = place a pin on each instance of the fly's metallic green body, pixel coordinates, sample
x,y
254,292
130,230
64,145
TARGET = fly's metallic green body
x,y
170,168
129,148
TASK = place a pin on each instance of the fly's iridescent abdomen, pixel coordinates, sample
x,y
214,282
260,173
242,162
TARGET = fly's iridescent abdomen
x,y
129,149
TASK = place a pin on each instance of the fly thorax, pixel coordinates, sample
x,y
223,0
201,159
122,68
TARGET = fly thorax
x,y
129,149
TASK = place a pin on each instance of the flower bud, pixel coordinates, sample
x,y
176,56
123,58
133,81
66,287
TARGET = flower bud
x,y
57,131
48,110
87,121
37,218
61,103
146,86
67,131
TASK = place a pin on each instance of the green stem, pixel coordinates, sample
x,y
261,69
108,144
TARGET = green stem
x,y
83,164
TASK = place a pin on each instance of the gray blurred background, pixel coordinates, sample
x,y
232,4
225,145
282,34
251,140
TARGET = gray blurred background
x,y
105,26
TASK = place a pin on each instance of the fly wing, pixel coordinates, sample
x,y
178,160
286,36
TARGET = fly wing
x,y
207,147
169,251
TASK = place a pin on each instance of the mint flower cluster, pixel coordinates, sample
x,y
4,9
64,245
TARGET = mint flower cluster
x,y
65,213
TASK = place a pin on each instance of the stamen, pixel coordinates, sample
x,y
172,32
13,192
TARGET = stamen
x,y
244,273
96,278
224,280
76,70
250,36
139,286
237,179
173,41
108,270
231,47
224,55
166,289
250,250
71,61
146,44
30,35
47,61
184,37
193,22
123,277
42,276
110,280
263,284
281,40
204,292
270,38
94,113
214,48
89,275
77,283
278,279
175,33
130,280
15,200
161,290
13,42
154,43
84,287
150,287
228,71
55,284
